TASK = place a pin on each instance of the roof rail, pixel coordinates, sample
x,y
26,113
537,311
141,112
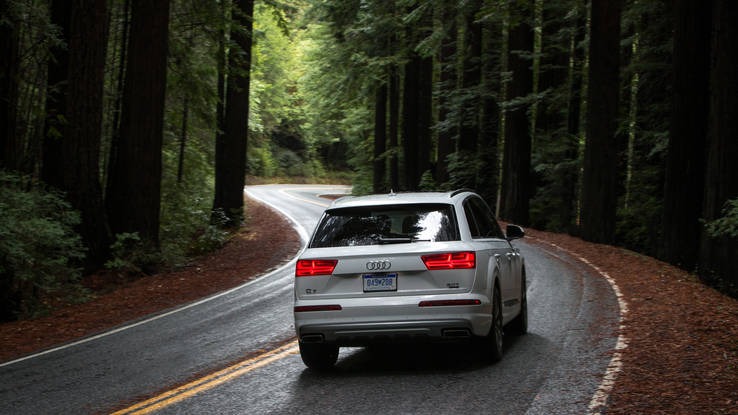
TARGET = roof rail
x,y
462,190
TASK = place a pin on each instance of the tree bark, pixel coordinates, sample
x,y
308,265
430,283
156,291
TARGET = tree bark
x,y
602,154
718,255
394,127
10,145
380,139
410,127
82,130
471,78
52,164
685,160
447,131
516,191
119,81
230,166
183,137
487,183
417,109
134,193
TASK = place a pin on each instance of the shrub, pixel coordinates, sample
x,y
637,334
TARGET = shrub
x,y
727,225
40,252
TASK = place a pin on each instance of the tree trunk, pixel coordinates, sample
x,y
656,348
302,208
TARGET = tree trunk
x,y
134,193
82,130
516,190
417,108
221,60
230,166
52,164
425,115
487,183
573,116
447,131
417,119
718,255
685,160
120,79
380,139
394,127
555,144
471,78
183,137
410,128
10,145
602,154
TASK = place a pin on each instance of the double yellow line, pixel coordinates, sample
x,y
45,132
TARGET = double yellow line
x,y
208,382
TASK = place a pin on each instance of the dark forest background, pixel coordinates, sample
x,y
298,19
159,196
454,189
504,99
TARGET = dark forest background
x,y
128,128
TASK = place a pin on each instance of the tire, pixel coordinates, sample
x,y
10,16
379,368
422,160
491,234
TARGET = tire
x,y
320,357
491,344
519,325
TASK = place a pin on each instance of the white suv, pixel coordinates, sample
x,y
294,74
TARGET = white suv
x,y
408,266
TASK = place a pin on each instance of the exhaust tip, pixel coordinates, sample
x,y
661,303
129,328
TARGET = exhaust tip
x,y
456,333
312,338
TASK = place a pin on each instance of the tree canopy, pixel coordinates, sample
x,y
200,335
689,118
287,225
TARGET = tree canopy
x,y
610,120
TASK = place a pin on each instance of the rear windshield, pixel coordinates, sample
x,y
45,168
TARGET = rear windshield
x,y
375,225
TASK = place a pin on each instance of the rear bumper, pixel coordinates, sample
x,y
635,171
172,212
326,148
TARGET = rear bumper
x,y
360,322
362,334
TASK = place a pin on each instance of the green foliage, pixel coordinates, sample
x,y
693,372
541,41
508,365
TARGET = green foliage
x,y
187,225
280,143
131,255
727,225
40,252
462,170
427,182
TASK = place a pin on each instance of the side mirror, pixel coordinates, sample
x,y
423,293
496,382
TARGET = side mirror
x,y
514,232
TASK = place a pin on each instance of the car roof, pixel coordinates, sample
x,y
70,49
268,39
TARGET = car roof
x,y
400,198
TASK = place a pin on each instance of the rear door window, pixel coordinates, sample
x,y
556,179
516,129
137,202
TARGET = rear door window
x,y
482,223
375,225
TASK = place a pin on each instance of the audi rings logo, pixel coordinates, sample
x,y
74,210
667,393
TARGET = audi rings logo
x,y
380,265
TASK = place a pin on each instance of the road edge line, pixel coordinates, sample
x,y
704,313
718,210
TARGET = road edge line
x,y
601,395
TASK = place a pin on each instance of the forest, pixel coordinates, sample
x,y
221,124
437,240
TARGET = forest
x,y
128,128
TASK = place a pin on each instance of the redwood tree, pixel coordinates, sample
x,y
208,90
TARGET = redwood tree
x,y
230,147
10,147
134,185
602,153
685,159
447,85
516,184
52,164
81,134
417,106
380,138
718,253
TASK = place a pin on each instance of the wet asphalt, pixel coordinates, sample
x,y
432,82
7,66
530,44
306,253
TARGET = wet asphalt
x,y
554,369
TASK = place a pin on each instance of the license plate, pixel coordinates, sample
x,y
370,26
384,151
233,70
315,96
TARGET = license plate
x,y
380,282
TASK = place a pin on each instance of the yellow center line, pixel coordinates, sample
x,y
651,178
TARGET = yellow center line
x,y
210,381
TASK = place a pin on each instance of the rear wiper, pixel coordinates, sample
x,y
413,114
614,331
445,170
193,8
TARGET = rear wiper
x,y
383,240
404,240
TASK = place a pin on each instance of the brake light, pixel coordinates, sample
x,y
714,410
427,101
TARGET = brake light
x,y
451,260
313,267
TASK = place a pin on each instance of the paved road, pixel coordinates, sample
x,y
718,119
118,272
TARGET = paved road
x,y
556,368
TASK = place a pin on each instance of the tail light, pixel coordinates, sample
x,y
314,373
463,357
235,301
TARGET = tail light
x,y
313,267
451,260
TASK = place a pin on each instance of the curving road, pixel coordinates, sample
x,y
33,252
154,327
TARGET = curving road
x,y
236,350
